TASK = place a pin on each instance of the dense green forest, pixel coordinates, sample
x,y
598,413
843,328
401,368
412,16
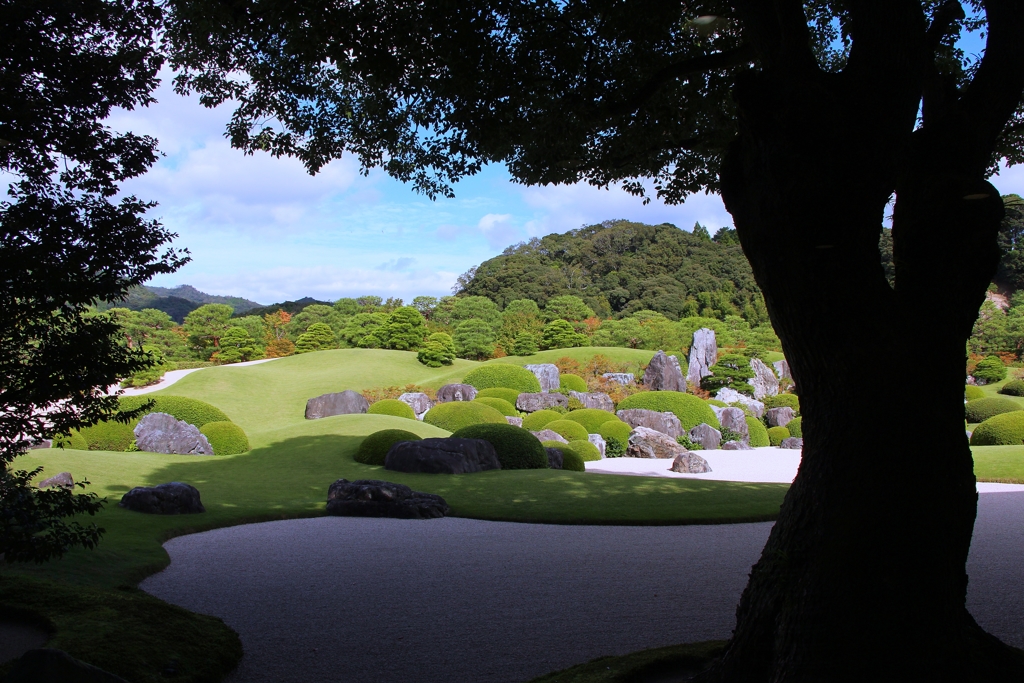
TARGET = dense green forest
x,y
177,302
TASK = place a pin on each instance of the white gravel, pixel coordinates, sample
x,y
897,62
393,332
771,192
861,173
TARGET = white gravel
x,y
173,376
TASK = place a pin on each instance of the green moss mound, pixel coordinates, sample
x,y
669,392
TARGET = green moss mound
x,y
517,448
392,406
584,449
615,429
455,415
227,438
782,401
192,411
795,428
510,395
777,435
972,392
590,418
570,382
375,447
108,436
499,404
982,409
571,431
718,404
571,460
536,421
690,410
1014,387
506,376
1001,430
73,441
758,433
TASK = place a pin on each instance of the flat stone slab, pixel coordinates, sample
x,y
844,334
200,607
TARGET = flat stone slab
x,y
620,377
514,421
376,498
442,456
346,402
531,403
794,442
174,498
667,423
594,399
736,446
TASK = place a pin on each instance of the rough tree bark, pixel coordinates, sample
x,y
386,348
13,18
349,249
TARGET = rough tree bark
x,y
863,576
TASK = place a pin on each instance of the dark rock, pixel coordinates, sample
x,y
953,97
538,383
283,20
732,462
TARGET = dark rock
x,y
531,403
47,665
375,498
62,480
547,374
174,498
346,402
514,421
549,435
706,435
664,374
764,381
442,456
598,441
794,442
162,433
619,377
554,458
779,417
689,463
649,443
735,420
736,446
703,354
418,401
456,392
727,395
666,423
594,399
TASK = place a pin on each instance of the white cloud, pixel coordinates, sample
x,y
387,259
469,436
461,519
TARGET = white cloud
x,y
499,229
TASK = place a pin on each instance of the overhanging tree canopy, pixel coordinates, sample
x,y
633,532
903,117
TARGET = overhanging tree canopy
x,y
807,117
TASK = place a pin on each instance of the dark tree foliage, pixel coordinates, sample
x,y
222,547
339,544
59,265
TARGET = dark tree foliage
x,y
808,118
66,238
1010,275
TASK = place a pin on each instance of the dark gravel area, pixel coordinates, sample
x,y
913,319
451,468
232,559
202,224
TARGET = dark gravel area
x,y
329,599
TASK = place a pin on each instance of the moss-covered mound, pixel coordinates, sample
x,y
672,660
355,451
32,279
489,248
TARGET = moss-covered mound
x,y
571,460
982,409
690,410
718,404
1005,429
108,436
375,447
783,401
509,395
392,406
501,375
517,448
972,392
615,429
227,438
1014,387
74,441
758,433
795,428
584,449
192,411
536,421
571,431
777,435
458,414
570,382
499,404
590,418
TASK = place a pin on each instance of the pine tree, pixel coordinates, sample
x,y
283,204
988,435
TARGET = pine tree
x,y
317,337
474,338
559,334
405,329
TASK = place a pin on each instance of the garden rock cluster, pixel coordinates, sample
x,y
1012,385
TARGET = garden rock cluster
x,y
645,442
664,374
346,402
764,381
376,498
531,403
456,392
162,433
595,399
727,395
174,498
442,456
664,422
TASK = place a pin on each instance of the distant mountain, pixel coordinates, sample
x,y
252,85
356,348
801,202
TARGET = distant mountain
x,y
176,302
292,307
192,294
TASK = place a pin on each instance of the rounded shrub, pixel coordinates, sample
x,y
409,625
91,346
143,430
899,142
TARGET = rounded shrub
x,y
794,427
981,409
718,404
690,410
570,382
990,369
227,438
392,406
538,420
776,435
458,414
1001,430
587,451
1014,387
571,431
758,433
972,392
517,448
108,436
192,411
571,460
375,447
499,404
782,401
590,418
615,429
509,395
73,440
505,376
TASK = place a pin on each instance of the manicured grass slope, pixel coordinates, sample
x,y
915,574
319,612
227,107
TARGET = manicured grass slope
x,y
583,354
1003,464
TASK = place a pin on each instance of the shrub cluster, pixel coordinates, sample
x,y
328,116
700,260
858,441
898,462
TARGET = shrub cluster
x,y
455,415
782,401
615,429
502,375
795,427
972,392
1001,430
192,411
571,431
108,436
537,421
990,369
982,409
392,406
1014,387
614,448
375,447
569,382
591,418
499,404
584,449
227,438
776,435
517,448
690,410
510,395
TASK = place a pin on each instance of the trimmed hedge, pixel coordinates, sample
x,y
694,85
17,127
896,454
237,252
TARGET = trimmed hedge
x,y
584,449
392,406
690,410
615,429
108,436
571,460
972,392
591,418
517,448
1014,387
776,435
1001,430
375,447
510,395
501,375
227,438
782,401
572,431
758,433
536,421
74,441
569,382
981,409
795,428
192,411
499,404
455,415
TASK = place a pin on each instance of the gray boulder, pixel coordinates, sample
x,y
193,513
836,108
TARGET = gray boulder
x,y
706,435
514,421
555,458
547,374
598,441
161,433
779,417
346,402
794,442
666,423
782,369
649,443
735,421
531,403
456,392
418,401
727,395
442,456
764,381
46,665
45,443
664,374
736,446
63,480
619,377
689,463
376,498
594,399
174,498
549,435
703,354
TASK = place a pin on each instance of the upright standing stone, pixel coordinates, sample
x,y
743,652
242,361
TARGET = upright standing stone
x,y
707,436
346,402
735,421
782,369
764,381
419,402
456,392
594,399
703,354
598,441
548,376
779,417
664,374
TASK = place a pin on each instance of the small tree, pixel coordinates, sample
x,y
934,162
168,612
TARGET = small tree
x,y
438,350
207,324
732,370
989,370
474,339
525,344
559,334
567,307
317,337
274,326
237,346
405,329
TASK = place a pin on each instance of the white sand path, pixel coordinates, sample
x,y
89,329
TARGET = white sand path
x,y
173,376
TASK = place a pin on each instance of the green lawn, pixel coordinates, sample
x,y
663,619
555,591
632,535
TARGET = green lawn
x,y
1003,464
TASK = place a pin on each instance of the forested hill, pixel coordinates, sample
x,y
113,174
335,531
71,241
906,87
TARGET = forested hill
x,y
619,267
